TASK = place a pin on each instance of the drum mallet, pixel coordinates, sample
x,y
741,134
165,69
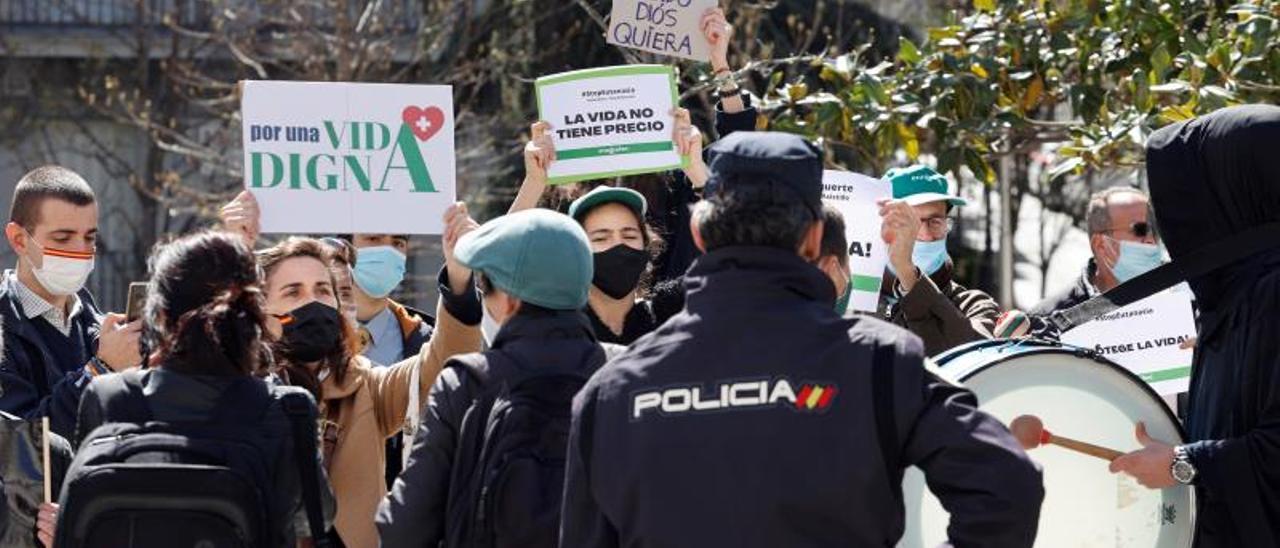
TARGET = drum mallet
x,y
1030,431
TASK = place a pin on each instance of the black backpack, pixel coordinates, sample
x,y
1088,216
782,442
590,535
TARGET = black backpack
x,y
202,484
508,469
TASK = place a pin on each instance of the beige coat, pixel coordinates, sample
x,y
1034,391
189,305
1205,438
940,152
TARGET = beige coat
x,y
369,408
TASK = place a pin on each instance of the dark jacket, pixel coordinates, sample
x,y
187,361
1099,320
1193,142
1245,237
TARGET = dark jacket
x,y
413,514
1212,178
664,301
942,312
23,479
32,382
747,421
1079,292
415,327
178,397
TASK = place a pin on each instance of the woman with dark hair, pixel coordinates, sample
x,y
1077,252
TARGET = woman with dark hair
x,y
205,323
360,405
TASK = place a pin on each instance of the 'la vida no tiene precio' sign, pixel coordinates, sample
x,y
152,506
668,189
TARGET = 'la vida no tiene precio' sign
x,y
334,157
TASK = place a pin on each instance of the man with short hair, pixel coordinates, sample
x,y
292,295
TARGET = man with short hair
x,y
1123,242
533,269
759,417
833,258
55,340
920,289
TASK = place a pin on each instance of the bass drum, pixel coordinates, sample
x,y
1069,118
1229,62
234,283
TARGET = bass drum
x,y
1079,395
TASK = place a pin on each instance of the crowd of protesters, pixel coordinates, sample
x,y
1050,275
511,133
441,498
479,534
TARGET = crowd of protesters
x,y
614,375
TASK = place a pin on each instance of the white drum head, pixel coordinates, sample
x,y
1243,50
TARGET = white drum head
x,y
1085,504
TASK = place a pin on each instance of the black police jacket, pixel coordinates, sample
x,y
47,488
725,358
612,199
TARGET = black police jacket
x,y
747,420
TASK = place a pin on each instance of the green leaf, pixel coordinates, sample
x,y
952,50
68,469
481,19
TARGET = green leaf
x,y
907,51
984,5
1160,61
979,166
1064,167
1176,86
909,141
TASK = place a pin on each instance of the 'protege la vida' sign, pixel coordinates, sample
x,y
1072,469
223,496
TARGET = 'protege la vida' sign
x,y
333,157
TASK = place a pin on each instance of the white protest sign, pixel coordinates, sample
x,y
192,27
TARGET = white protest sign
x,y
855,195
666,27
335,158
1146,338
610,121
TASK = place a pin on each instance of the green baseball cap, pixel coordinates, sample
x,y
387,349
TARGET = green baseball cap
x,y
920,185
604,194
536,255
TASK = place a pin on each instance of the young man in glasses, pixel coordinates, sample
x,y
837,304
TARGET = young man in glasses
x,y
1123,242
919,291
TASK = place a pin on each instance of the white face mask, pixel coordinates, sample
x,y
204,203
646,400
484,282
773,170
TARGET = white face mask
x,y
62,272
488,326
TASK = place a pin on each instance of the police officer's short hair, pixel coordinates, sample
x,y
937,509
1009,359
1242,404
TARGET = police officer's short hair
x,y
44,183
751,215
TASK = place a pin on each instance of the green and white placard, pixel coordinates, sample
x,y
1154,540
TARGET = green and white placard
x,y
343,158
1151,338
855,196
610,121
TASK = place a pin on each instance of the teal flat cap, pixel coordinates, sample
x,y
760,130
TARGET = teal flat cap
x,y
608,194
537,255
920,185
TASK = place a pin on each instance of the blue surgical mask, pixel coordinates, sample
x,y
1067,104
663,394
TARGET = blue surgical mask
x,y
842,302
930,256
379,270
1136,259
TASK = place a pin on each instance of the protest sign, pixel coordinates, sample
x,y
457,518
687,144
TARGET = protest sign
x,y
855,195
610,121
1147,338
666,27
341,158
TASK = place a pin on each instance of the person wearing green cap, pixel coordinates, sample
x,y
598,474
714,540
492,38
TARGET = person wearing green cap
x,y
532,269
919,289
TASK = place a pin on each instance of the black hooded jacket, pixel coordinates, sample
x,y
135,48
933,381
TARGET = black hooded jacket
x,y
1212,178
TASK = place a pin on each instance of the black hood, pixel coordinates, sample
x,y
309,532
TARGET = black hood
x,y
1214,177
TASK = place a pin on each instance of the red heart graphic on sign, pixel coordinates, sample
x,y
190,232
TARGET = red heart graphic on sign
x,y
423,122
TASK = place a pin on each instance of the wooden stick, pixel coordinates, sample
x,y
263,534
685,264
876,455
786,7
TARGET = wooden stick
x,y
48,472
1031,433
1084,447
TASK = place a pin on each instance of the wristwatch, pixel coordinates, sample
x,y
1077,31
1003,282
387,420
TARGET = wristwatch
x,y
1182,469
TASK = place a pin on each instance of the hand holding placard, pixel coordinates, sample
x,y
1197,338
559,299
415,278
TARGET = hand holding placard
x,y
688,140
901,226
718,32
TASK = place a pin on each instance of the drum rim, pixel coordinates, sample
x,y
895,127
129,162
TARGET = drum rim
x,y
1044,346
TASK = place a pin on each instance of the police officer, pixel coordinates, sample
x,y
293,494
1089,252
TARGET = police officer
x,y
759,417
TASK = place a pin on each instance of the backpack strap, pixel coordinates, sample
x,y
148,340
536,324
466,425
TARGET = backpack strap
x,y
882,400
301,410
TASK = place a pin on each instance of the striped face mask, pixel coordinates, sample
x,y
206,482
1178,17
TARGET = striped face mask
x,y
62,272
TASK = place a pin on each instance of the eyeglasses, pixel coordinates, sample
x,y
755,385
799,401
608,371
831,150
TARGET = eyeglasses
x,y
937,227
1139,229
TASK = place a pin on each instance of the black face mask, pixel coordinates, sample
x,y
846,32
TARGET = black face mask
x,y
311,332
618,269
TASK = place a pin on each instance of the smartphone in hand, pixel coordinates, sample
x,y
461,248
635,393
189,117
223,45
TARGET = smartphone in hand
x,y
137,298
